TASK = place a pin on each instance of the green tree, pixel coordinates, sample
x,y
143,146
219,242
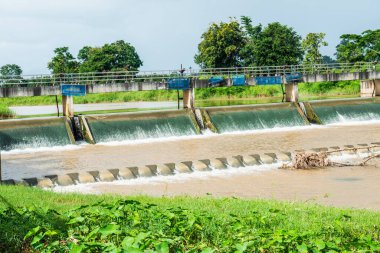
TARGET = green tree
x,y
11,70
311,45
277,45
63,61
371,45
359,47
350,49
252,34
252,31
328,60
116,56
11,74
221,45
83,54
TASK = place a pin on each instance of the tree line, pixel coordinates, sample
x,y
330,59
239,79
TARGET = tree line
x,y
236,43
240,43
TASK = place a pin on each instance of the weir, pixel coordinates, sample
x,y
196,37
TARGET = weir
x,y
254,117
146,125
48,132
335,111
34,133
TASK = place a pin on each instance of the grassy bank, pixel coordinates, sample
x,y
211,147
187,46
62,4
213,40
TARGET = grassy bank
x,y
5,112
248,92
88,223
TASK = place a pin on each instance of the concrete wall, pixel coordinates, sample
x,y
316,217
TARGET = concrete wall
x,y
23,123
104,88
339,102
239,108
30,91
340,77
138,115
93,88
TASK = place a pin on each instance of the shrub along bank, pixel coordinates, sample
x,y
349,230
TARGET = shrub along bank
x,y
36,220
5,112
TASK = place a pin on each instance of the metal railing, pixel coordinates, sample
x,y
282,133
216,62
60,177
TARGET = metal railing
x,y
93,78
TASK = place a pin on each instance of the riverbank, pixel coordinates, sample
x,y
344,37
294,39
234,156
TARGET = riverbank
x,y
202,224
323,89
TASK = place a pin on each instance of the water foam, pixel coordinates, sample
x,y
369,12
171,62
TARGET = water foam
x,y
354,122
44,149
176,178
353,159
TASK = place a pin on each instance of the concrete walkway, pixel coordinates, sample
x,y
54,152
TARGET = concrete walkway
x,y
49,109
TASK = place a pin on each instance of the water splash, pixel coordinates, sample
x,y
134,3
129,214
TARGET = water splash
x,y
348,113
175,178
256,119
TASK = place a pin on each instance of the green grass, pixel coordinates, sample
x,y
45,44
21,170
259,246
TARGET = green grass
x,y
330,88
246,92
113,97
202,224
5,112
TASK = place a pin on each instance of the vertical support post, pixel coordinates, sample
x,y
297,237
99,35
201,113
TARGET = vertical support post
x,y
189,96
377,87
178,98
370,88
192,97
188,99
56,102
291,92
68,106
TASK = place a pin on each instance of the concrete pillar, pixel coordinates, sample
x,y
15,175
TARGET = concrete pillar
x,y
370,88
68,106
377,87
291,92
188,99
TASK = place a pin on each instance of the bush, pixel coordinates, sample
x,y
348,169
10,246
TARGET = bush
x,y
5,112
131,226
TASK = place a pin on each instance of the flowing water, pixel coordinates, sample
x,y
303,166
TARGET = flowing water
x,y
141,139
346,113
105,130
19,164
38,150
253,119
40,133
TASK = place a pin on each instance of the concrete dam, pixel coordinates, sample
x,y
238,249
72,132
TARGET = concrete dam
x,y
61,131
110,147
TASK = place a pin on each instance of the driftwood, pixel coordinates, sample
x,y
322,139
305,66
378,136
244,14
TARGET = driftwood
x,y
313,160
307,160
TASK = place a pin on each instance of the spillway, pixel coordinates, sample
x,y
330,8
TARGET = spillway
x,y
243,118
138,126
336,111
33,133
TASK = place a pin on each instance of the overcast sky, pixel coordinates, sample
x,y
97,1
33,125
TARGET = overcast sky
x,y
165,33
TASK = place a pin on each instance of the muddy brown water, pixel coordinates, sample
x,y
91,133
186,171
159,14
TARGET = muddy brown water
x,y
347,187
117,155
355,187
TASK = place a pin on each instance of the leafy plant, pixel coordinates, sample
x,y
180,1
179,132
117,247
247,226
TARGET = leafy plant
x,y
132,226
